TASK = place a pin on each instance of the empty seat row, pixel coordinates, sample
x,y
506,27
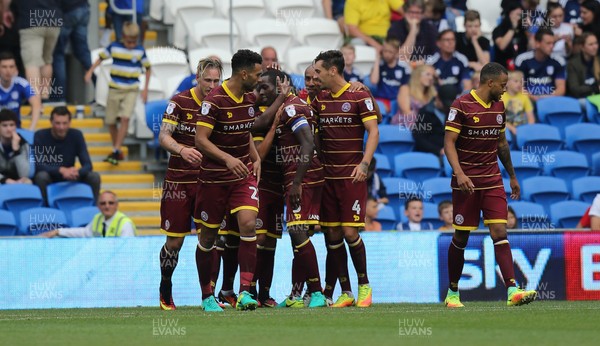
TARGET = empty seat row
x,y
33,221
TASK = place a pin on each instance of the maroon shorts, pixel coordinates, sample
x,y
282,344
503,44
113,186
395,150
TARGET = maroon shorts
x,y
176,208
466,208
213,201
229,225
310,207
270,214
343,203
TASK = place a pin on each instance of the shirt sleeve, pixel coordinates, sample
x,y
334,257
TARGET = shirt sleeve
x,y
456,118
105,54
296,118
145,62
352,12
595,209
559,72
366,108
76,232
207,116
28,91
128,229
172,112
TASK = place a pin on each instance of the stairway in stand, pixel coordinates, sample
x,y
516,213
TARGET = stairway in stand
x,y
138,192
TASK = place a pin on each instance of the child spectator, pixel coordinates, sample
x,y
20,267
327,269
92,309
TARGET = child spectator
x,y
351,74
129,58
511,220
371,214
519,109
445,211
375,186
389,74
472,43
14,151
413,209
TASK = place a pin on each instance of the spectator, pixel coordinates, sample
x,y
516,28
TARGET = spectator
x,y
572,11
590,19
475,79
38,24
413,209
434,13
428,131
389,74
368,21
518,107
269,58
510,38
10,38
76,15
334,9
471,43
595,214
118,20
375,186
583,69
563,32
371,225
14,151
15,90
55,151
445,211
129,59
351,74
511,219
455,8
421,90
416,36
451,67
543,72
109,222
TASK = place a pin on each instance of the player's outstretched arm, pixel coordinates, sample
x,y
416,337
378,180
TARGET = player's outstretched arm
x,y
504,156
207,148
464,183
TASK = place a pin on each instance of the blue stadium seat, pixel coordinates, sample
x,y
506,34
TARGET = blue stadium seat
x,y
67,195
447,168
530,215
584,138
387,217
430,214
592,112
394,140
383,168
509,138
417,166
80,217
585,189
437,189
525,165
596,164
559,111
507,189
568,213
154,114
38,220
538,139
26,135
18,197
8,225
398,191
567,165
545,190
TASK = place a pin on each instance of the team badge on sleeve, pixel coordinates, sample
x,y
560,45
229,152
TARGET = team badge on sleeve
x,y
205,108
170,108
452,115
369,104
291,111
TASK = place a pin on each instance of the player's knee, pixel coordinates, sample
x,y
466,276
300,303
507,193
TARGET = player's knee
x,y
247,226
460,238
207,237
350,233
174,243
498,231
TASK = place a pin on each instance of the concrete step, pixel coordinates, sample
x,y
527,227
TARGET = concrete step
x,y
97,138
122,167
46,110
146,221
103,151
138,194
148,208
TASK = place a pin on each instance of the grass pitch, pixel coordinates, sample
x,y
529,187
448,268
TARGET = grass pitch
x,y
480,323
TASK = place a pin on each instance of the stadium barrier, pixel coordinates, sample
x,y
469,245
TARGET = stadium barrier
x,y
403,267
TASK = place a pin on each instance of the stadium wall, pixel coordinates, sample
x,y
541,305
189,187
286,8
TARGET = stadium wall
x,y
403,267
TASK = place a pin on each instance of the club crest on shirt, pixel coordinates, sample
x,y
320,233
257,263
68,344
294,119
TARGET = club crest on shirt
x,y
346,107
398,74
251,112
459,219
499,118
452,115
550,70
369,104
170,108
455,70
291,111
205,108
14,95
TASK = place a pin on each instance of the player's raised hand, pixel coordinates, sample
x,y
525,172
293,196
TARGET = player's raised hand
x,y
360,172
237,167
283,86
515,189
295,195
191,155
465,184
